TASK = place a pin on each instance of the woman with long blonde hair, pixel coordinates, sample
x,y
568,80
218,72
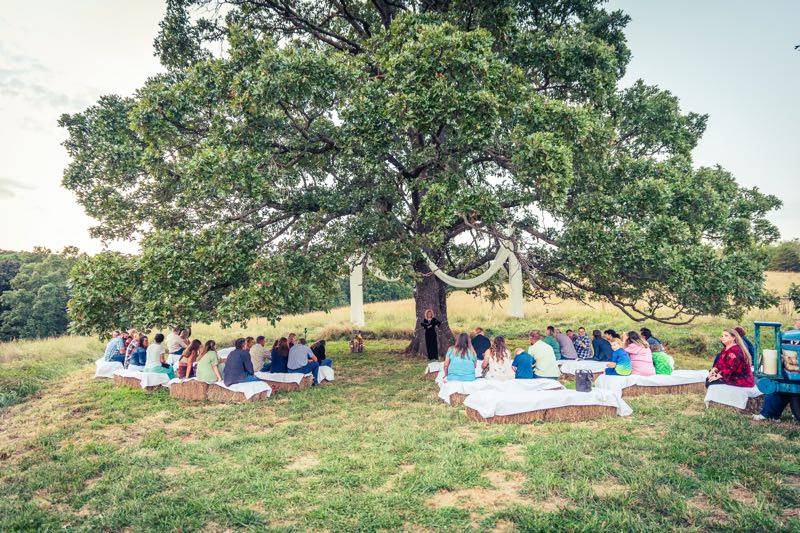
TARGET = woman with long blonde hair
x,y
733,365
497,361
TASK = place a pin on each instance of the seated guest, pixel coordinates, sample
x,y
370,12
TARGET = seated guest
x,y
139,356
551,340
601,347
655,344
774,405
480,343
258,353
640,354
292,338
460,360
743,334
565,345
544,358
279,357
209,369
130,346
582,344
661,363
497,361
188,359
156,361
523,365
733,364
238,365
176,344
620,363
115,349
303,361
248,343
318,348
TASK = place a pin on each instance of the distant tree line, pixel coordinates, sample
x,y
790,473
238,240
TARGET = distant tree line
x,y
34,292
784,256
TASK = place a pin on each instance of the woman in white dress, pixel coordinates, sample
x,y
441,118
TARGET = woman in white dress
x,y
497,361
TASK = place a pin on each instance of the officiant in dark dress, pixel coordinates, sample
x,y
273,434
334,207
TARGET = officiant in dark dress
x,y
429,324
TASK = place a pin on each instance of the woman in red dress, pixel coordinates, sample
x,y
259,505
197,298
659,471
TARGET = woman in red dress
x,y
733,365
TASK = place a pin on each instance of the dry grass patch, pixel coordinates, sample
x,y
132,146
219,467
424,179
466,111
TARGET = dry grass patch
x,y
700,502
741,494
303,462
504,492
514,453
608,488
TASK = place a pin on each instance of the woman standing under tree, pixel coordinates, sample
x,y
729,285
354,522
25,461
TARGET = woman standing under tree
x,y
430,323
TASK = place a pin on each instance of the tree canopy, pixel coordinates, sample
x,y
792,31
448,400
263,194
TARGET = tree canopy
x,y
285,138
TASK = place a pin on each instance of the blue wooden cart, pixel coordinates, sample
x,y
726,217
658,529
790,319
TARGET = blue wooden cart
x,y
784,380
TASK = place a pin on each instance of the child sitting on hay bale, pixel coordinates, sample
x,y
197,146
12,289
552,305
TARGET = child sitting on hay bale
x,y
620,364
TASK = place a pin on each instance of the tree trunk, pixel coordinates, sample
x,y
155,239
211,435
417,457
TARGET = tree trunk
x,y
430,293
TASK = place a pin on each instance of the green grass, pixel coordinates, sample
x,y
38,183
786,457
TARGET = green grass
x,y
378,451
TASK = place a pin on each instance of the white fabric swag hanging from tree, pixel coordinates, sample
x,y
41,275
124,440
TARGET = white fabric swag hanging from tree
x,y
515,304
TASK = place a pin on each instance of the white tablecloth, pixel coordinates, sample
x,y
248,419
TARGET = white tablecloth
x,y
569,366
434,367
106,369
478,374
147,379
499,403
511,385
678,377
281,377
325,373
223,353
730,395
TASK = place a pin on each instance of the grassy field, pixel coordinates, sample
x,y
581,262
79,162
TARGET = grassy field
x,y
378,450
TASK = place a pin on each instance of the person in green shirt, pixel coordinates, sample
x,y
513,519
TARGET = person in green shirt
x,y
551,340
209,369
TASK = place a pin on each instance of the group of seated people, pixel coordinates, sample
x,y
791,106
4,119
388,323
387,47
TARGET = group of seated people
x,y
637,353
179,356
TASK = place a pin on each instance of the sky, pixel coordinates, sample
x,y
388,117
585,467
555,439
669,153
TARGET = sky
x,y
732,59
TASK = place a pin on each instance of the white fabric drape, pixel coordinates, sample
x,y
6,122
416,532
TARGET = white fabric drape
x,y
515,304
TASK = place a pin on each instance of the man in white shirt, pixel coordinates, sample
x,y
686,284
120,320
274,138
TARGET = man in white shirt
x,y
175,343
544,357
258,353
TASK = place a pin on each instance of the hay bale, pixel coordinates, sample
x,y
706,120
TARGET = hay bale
x,y
133,383
430,376
639,390
219,394
753,407
574,413
457,398
279,386
194,390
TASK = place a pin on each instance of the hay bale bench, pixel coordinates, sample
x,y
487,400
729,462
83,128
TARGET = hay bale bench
x,y
578,413
456,392
133,380
563,405
192,390
748,400
679,382
639,390
286,382
218,394
432,370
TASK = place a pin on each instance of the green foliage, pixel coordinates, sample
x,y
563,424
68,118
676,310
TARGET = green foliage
x,y
784,256
35,303
395,128
794,295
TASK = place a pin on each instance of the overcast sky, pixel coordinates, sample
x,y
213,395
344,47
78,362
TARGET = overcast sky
x,y
731,59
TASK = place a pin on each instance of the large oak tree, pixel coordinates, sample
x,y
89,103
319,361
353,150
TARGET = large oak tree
x,y
288,137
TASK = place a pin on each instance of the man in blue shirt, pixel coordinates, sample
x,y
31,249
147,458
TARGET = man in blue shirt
x,y
302,360
115,349
523,365
238,366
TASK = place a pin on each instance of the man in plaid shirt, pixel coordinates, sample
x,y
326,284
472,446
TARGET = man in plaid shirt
x,y
582,344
